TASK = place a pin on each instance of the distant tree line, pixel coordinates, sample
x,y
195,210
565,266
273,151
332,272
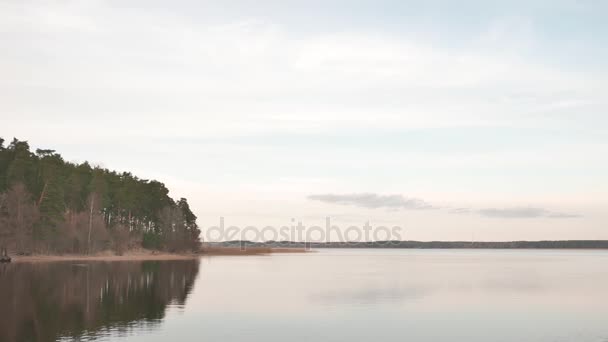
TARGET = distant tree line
x,y
48,205
558,244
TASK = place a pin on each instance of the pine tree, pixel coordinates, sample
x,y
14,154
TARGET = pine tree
x,y
57,206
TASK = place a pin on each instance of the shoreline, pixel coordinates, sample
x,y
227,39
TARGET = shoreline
x,y
104,257
145,255
154,256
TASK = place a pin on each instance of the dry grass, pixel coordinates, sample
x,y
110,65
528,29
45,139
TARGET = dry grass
x,y
249,250
140,255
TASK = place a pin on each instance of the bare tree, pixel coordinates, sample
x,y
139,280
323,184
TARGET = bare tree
x,y
4,231
20,214
91,206
121,239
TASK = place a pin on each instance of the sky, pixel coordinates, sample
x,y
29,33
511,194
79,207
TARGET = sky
x,y
463,120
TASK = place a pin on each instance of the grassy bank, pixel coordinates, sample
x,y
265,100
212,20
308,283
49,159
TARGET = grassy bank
x,y
143,255
107,256
249,250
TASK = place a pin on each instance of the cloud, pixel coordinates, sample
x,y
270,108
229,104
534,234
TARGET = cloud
x,y
564,215
523,212
397,202
460,211
373,201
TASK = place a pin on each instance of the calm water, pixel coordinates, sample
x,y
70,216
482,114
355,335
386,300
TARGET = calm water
x,y
331,295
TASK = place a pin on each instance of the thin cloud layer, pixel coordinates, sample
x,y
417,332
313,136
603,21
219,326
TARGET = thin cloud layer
x,y
523,212
460,211
513,212
564,215
397,202
373,201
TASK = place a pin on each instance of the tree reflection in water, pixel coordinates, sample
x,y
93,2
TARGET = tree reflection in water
x,y
48,301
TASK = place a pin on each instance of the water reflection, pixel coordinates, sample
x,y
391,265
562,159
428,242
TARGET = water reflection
x,y
51,301
370,296
330,295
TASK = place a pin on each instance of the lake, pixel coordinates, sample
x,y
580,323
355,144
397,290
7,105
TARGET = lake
x,y
328,295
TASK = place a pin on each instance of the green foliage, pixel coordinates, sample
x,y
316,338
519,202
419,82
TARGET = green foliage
x,y
151,240
75,201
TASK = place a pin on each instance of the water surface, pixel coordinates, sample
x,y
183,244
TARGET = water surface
x,y
330,295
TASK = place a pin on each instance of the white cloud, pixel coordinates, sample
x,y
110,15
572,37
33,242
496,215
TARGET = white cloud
x,y
373,201
523,212
396,202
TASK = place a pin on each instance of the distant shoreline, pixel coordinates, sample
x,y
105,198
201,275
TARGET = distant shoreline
x,y
547,244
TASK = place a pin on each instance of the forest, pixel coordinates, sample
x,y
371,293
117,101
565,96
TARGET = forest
x,y
51,206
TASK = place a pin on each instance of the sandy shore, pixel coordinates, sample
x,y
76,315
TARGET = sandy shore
x,y
131,256
149,255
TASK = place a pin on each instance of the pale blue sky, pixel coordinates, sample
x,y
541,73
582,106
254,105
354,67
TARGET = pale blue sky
x,y
248,107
